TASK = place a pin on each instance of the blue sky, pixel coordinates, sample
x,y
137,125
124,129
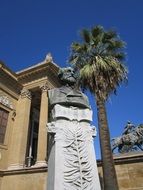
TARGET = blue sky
x,y
29,29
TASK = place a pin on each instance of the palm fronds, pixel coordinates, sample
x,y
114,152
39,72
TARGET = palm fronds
x,y
100,60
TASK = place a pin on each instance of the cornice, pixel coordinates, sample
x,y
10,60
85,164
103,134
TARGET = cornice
x,y
39,71
125,158
7,70
23,171
7,90
37,68
9,82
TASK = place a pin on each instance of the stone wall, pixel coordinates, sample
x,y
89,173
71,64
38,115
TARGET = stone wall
x,y
129,168
24,179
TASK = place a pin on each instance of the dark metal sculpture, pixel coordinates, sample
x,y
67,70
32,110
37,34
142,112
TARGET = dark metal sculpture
x,y
68,94
130,140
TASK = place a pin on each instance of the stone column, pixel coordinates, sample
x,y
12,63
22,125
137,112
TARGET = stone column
x,y
42,134
20,131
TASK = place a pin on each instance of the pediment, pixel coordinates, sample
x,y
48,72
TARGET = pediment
x,y
41,71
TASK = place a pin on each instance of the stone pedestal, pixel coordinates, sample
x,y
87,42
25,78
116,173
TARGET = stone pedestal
x,y
72,162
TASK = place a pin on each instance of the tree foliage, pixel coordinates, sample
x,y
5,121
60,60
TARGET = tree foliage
x,y
100,61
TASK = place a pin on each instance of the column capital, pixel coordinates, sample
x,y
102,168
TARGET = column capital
x,y
25,93
44,87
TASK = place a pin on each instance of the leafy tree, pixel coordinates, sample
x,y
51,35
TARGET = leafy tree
x,y
99,60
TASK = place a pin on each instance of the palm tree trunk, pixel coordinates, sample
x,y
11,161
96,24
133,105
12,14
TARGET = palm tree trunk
x,y
109,173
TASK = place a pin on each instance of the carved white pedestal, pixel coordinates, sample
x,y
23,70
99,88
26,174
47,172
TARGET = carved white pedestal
x,y
72,163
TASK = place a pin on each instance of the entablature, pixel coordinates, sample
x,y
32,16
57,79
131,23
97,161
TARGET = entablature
x,y
9,83
45,71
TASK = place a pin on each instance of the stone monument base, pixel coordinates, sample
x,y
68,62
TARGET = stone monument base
x,y
72,163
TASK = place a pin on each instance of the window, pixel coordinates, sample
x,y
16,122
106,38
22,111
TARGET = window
x,y
3,124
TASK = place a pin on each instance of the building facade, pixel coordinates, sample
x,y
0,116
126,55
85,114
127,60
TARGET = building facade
x,y
23,117
23,134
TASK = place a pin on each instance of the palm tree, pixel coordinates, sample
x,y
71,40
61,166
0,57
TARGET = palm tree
x,y
99,60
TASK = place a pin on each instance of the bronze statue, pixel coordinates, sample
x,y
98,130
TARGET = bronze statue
x,y
68,94
128,128
130,140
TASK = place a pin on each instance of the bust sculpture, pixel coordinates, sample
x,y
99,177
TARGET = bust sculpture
x,y
68,94
71,163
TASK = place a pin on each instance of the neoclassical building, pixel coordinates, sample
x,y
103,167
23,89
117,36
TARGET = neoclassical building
x,y
23,118
23,134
